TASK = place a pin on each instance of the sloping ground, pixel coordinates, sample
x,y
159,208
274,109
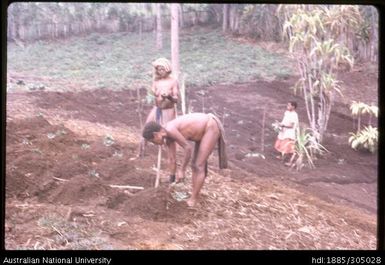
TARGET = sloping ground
x,y
342,175
66,151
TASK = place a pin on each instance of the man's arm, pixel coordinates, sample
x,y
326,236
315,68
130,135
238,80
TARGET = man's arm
x,y
172,157
175,135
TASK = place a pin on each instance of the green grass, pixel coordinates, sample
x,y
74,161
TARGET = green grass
x,y
118,61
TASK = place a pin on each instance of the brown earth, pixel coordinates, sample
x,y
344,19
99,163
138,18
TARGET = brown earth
x,y
65,150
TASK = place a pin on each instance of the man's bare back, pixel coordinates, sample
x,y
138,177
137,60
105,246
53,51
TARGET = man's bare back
x,y
191,126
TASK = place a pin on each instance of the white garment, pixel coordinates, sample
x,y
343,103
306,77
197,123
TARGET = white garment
x,y
290,117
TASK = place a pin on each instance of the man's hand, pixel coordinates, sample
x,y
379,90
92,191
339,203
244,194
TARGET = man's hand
x,y
172,178
179,176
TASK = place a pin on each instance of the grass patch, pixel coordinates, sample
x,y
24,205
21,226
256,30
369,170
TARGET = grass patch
x,y
121,60
70,235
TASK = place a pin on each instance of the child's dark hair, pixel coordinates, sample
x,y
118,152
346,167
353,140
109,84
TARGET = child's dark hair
x,y
149,129
293,103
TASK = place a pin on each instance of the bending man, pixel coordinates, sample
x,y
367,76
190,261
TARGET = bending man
x,y
205,130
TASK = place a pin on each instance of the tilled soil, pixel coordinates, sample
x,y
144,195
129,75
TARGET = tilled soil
x,y
70,157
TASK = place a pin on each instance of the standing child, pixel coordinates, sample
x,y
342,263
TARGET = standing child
x,y
285,143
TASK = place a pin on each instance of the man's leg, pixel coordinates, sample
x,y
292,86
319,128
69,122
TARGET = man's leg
x,y
171,154
166,116
207,144
194,170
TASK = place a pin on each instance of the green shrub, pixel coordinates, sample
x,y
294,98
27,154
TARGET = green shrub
x,y
366,139
307,148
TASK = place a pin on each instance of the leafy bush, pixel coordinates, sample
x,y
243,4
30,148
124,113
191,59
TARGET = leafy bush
x,y
359,108
307,148
367,139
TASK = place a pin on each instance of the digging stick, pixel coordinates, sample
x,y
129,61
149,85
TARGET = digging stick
x,y
263,131
158,167
224,115
139,106
183,95
203,102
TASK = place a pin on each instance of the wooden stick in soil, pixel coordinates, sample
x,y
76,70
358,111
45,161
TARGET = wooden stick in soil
x,y
263,131
223,117
203,102
139,109
60,179
158,167
183,94
127,187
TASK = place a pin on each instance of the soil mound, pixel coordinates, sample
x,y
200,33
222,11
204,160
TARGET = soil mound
x,y
79,189
155,204
32,152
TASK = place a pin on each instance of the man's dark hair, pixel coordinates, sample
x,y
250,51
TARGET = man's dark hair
x,y
293,103
149,129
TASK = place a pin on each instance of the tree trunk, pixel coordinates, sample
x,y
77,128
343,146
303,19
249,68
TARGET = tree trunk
x,y
56,30
52,30
140,27
217,13
236,22
225,17
326,106
373,35
38,32
22,32
159,42
175,39
195,18
231,17
181,21
311,92
305,96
